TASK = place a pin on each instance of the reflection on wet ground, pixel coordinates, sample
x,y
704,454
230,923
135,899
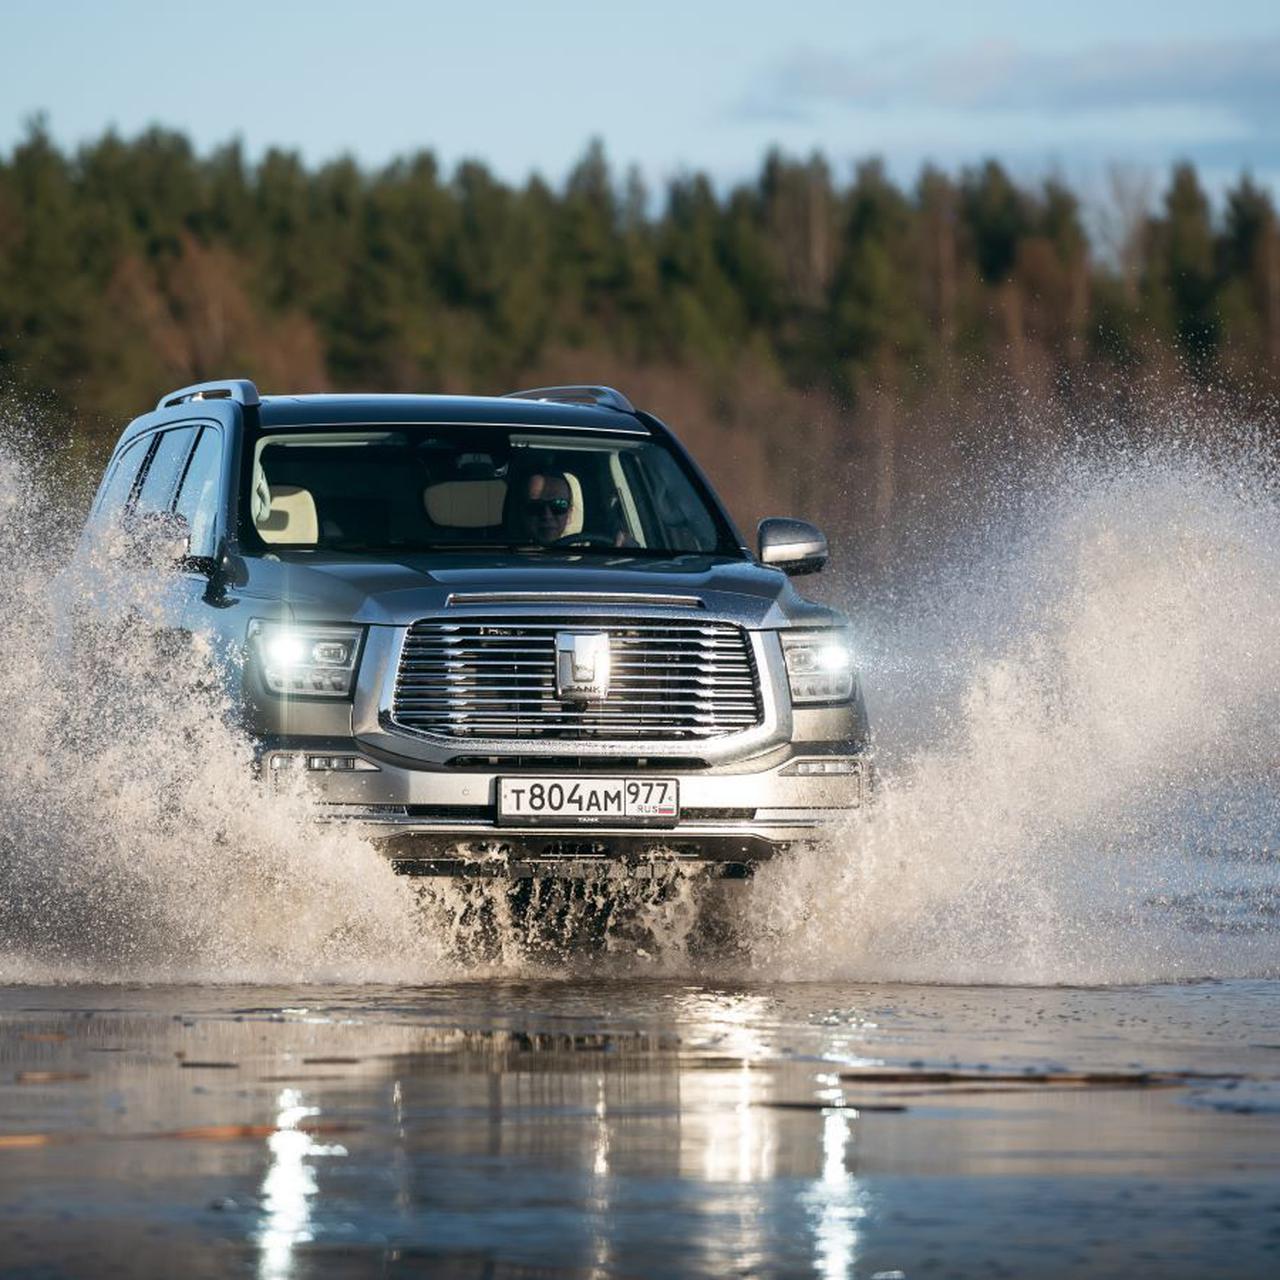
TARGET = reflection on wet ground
x,y
509,1129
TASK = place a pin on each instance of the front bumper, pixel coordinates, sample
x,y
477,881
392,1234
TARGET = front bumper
x,y
444,821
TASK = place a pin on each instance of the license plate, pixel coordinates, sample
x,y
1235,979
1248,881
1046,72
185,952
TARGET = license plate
x,y
589,801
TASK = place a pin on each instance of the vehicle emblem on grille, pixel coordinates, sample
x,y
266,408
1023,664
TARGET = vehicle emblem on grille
x,y
582,666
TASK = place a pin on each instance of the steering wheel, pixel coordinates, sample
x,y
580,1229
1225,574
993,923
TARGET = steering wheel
x,y
584,539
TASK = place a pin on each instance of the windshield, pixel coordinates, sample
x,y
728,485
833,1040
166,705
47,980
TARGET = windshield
x,y
476,488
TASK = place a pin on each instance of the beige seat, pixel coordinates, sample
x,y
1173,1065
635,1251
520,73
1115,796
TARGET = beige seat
x,y
465,504
290,518
574,523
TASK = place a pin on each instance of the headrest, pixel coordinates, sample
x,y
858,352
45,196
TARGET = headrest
x,y
260,498
574,523
465,504
291,516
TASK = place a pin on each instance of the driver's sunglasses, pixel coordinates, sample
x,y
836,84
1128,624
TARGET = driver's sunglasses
x,y
554,506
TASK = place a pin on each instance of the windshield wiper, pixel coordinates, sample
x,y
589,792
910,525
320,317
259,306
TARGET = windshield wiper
x,y
479,546
624,553
417,548
414,548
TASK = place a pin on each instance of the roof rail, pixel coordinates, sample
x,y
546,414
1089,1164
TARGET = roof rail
x,y
605,397
239,389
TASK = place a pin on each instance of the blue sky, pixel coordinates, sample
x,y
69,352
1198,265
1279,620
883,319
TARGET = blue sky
x,y
668,86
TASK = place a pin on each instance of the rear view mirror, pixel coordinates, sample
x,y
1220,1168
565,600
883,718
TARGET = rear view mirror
x,y
794,546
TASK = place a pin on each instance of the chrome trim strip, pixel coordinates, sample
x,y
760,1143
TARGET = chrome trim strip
x,y
813,820
460,598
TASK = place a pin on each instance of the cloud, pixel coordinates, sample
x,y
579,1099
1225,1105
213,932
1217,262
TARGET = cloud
x,y
1233,80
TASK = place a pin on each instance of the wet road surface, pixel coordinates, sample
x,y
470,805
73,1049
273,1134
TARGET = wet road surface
x,y
511,1129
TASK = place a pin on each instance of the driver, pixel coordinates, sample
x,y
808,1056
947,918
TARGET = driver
x,y
544,502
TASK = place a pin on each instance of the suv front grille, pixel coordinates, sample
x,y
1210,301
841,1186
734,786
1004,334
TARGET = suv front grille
x,y
495,678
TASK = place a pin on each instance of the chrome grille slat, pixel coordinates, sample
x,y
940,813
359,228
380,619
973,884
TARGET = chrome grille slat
x,y
588,717
494,678
435,676
516,623
453,663
713,706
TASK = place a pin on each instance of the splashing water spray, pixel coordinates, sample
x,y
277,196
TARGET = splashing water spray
x,y
1086,786
1078,752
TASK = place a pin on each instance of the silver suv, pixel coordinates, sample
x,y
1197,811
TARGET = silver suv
x,y
512,635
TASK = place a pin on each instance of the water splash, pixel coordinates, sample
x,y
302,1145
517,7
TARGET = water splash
x,y
134,841
1087,794
1078,748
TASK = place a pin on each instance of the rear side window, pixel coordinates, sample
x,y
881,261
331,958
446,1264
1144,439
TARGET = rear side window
x,y
121,484
166,467
198,495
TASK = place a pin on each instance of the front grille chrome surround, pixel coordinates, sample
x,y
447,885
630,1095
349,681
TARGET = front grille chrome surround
x,y
494,678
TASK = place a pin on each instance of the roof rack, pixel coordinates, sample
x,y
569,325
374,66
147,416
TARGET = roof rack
x,y
604,397
239,389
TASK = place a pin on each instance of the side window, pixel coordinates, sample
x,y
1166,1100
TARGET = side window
x,y
166,466
683,520
121,483
198,496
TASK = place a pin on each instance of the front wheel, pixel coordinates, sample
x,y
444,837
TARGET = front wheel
x,y
677,912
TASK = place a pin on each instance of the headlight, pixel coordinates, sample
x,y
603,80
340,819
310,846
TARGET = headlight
x,y
307,661
819,665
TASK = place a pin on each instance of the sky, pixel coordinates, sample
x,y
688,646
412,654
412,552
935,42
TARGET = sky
x,y
671,85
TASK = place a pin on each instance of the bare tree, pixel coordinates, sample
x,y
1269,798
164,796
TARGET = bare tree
x,y
1120,219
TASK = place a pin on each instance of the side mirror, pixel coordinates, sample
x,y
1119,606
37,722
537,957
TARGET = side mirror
x,y
794,546
159,539
223,569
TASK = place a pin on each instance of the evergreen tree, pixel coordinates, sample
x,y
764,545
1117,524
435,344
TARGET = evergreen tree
x,y
1187,269
129,265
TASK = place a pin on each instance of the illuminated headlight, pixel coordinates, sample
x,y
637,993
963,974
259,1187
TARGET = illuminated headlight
x,y
307,661
819,665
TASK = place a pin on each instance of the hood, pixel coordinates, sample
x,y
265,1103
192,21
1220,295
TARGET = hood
x,y
396,591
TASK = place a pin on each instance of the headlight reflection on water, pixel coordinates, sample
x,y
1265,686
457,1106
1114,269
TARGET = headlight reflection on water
x,y
748,1148
288,1186
837,1198
599,1196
